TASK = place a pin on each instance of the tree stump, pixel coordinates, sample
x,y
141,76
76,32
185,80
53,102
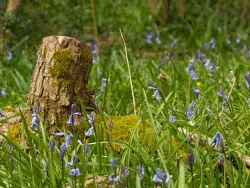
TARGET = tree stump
x,y
60,78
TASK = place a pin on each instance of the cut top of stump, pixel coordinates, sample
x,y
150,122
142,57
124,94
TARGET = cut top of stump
x,y
61,77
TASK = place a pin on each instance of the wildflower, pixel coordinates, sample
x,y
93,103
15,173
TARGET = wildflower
x,y
248,80
150,36
45,165
213,43
158,40
196,91
141,172
221,159
1,113
52,144
157,95
114,178
191,71
69,139
35,120
76,160
218,140
238,38
95,56
79,142
113,162
69,164
173,43
104,83
91,118
61,134
200,56
72,120
160,63
221,93
87,149
228,40
191,157
206,46
10,147
3,92
190,110
90,131
207,63
63,149
224,104
172,119
198,84
100,73
10,56
211,113
75,172
160,177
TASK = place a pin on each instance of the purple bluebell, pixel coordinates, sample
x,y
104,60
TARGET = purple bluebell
x,y
190,112
52,144
94,48
221,93
87,149
160,63
63,150
191,157
10,147
248,80
207,63
196,91
61,134
161,177
213,43
167,181
206,46
69,164
221,159
224,104
95,56
75,172
141,172
35,120
72,121
172,119
238,38
89,132
200,56
10,56
245,50
1,113
91,118
114,178
173,43
158,40
3,92
76,160
218,140
45,165
157,95
69,138
191,71
113,162
150,36
104,84
228,42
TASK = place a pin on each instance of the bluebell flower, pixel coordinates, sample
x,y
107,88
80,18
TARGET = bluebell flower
x,y
69,164
150,36
94,47
69,138
224,104
158,40
161,177
194,75
211,113
191,157
218,140
206,46
91,118
87,149
10,56
3,92
196,91
1,113
221,159
248,80
113,162
45,165
61,134
114,178
75,172
160,63
200,56
228,42
100,73
35,120
104,84
63,150
173,43
190,110
141,172
90,131
52,144
76,160
213,43
207,63
172,119
190,67
95,56
72,121
245,50
157,95
238,38
79,142
221,93
10,147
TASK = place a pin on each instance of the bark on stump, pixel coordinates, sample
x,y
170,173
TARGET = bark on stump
x,y
60,78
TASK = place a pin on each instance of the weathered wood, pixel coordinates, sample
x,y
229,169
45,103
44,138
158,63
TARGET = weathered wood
x,y
60,78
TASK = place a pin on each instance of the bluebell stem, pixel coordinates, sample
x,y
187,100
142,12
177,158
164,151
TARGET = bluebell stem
x,y
63,150
141,172
10,56
213,43
191,157
75,172
69,138
158,40
52,144
238,38
3,92
221,93
150,36
248,80
90,131
228,42
35,120
172,119
61,134
113,162
196,91
218,140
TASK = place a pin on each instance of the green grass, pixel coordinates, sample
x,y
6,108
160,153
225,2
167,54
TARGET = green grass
x,y
23,167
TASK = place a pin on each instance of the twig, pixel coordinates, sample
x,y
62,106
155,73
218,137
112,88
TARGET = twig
x,y
130,78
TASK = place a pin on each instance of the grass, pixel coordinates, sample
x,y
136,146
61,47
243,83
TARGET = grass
x,y
24,165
